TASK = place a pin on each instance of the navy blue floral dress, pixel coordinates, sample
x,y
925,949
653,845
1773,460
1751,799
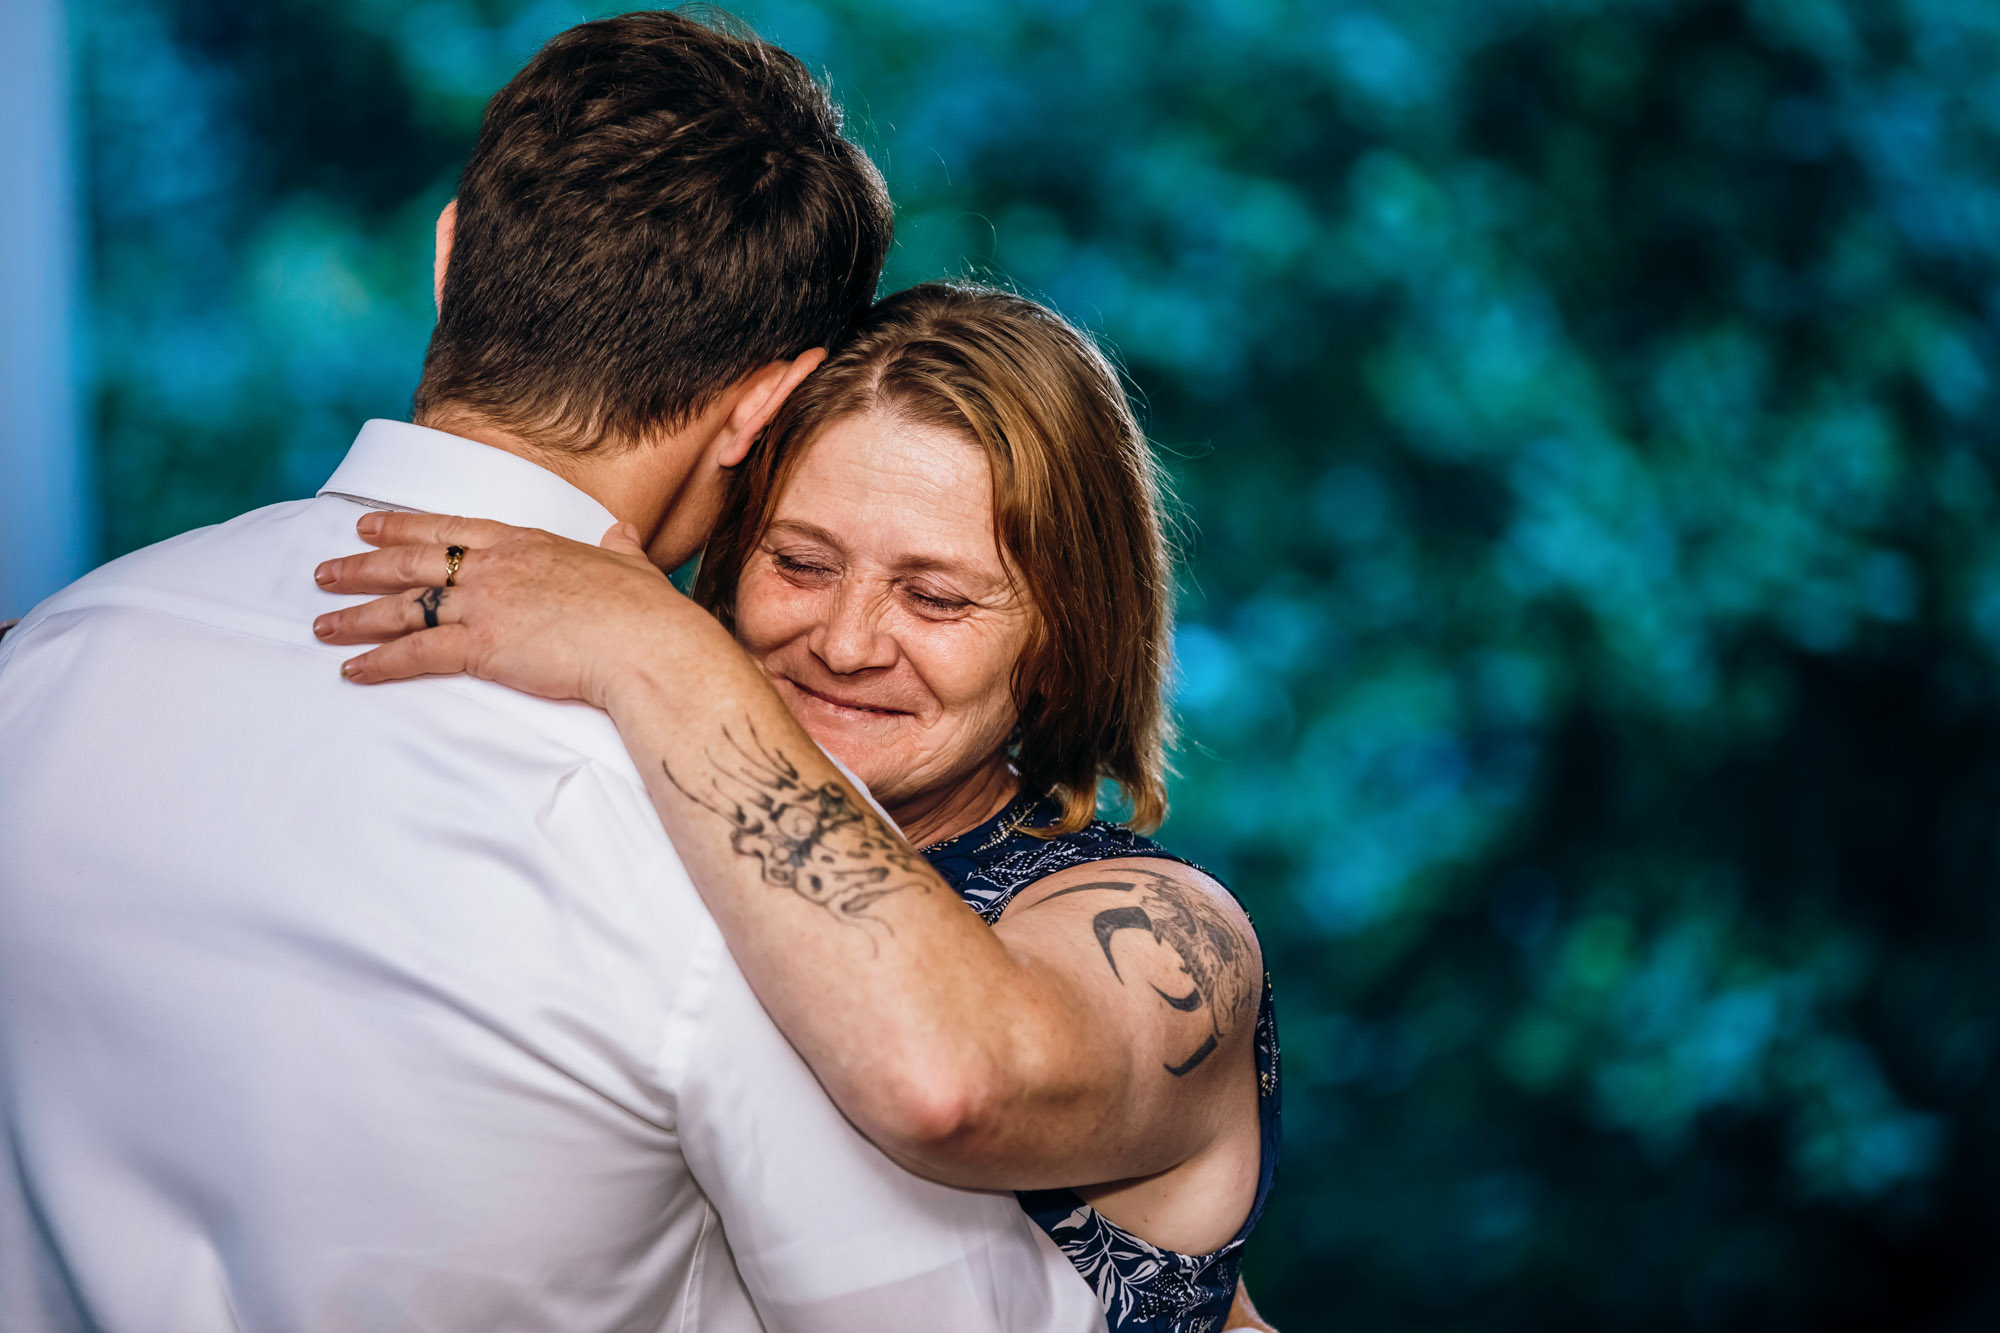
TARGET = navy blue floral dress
x,y
1143,1288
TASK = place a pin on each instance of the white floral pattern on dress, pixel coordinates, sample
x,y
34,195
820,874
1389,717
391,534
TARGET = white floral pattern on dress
x,y
1140,1285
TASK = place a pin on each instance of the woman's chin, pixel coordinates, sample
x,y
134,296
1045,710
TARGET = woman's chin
x,y
862,740
857,745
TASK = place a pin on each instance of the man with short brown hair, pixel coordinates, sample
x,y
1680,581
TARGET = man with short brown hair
x,y
324,1008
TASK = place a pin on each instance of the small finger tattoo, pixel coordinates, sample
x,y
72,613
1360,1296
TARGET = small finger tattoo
x,y
430,599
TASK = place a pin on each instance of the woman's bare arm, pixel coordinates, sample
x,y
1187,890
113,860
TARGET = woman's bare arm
x,y
1096,1035
1244,1315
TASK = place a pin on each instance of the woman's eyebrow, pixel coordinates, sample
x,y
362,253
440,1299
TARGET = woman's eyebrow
x,y
976,580
812,532
933,564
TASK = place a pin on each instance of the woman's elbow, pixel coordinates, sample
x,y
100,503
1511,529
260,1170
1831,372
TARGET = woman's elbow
x,y
942,1122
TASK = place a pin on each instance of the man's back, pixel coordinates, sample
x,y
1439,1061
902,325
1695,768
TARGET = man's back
x,y
326,1008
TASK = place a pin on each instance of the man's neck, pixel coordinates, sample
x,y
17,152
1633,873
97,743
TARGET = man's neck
x,y
638,483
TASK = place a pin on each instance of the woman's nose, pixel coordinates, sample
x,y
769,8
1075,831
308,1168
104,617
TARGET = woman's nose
x,y
852,637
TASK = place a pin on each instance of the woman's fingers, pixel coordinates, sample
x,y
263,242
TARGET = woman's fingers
x,y
391,569
390,617
392,528
444,651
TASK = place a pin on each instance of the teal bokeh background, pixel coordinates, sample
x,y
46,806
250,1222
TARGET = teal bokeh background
x,y
1584,416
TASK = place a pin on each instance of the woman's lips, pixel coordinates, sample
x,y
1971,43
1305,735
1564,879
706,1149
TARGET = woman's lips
x,y
849,706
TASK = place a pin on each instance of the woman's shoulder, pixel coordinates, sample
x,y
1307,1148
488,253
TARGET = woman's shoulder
x,y
1174,899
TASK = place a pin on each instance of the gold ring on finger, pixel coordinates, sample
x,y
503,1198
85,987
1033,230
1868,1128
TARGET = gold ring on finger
x,y
454,556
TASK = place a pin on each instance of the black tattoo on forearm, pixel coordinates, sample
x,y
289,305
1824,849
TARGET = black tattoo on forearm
x,y
1211,947
818,841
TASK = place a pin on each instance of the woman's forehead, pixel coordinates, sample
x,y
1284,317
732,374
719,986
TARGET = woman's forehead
x,y
896,489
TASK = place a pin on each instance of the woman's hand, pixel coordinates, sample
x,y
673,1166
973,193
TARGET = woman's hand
x,y
527,609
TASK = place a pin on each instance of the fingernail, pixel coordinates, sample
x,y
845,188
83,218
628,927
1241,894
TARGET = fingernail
x,y
323,626
324,574
350,669
369,525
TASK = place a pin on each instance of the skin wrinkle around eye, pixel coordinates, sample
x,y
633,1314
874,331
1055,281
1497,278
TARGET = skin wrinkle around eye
x,y
962,586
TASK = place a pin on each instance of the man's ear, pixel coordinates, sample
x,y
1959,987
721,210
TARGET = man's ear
x,y
447,230
764,392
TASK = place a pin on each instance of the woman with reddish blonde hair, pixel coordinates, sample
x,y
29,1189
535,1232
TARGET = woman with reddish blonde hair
x,y
944,568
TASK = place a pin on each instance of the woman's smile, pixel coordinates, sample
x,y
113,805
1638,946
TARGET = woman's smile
x,y
806,700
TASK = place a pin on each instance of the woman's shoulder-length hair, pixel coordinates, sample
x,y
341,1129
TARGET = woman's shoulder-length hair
x,y
1077,506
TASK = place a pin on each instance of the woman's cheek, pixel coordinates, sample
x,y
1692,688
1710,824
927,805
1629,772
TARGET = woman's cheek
x,y
969,667
770,611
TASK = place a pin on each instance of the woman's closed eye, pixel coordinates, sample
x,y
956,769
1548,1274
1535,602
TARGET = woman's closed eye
x,y
803,568
938,605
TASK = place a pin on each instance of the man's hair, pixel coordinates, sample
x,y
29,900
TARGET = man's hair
x,y
655,207
1076,506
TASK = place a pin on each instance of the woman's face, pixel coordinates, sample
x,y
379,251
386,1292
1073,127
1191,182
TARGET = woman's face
x,y
881,608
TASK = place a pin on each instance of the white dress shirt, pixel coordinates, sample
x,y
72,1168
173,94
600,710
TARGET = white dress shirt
x,y
332,1007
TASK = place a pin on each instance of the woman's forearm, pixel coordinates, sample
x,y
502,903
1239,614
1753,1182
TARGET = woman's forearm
x,y
946,1048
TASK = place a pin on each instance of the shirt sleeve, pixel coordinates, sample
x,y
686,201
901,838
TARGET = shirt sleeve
x,y
828,1234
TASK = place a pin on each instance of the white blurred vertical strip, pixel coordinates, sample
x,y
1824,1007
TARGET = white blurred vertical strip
x,y
47,535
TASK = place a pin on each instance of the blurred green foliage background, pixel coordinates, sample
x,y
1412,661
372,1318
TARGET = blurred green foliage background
x,y
1585,419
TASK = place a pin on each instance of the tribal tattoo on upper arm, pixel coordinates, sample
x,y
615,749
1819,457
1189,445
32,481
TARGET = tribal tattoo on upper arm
x,y
818,841
1213,952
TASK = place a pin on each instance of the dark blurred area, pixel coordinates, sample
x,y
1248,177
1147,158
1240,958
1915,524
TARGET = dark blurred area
x,y
1585,423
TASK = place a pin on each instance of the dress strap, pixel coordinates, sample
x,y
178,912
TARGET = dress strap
x,y
991,864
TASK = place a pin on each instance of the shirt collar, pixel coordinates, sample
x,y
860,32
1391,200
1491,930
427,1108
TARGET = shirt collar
x,y
395,465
